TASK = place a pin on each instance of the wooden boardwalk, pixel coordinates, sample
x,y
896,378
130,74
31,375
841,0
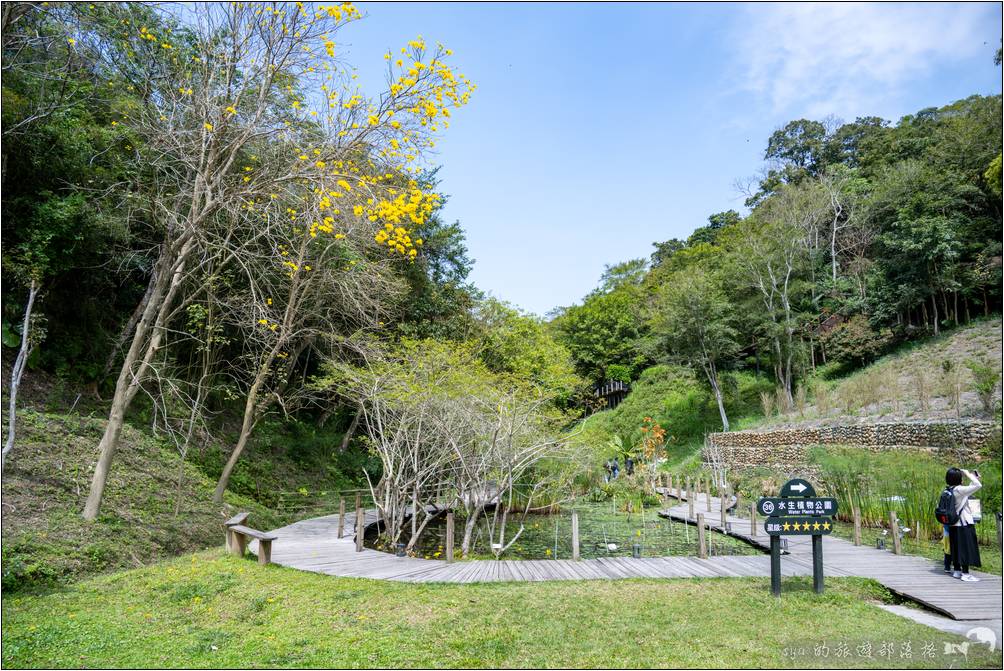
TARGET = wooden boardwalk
x,y
916,578
313,545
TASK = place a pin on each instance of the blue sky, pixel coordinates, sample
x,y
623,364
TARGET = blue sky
x,y
598,129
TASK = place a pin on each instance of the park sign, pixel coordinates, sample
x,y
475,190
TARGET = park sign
x,y
798,526
781,507
797,512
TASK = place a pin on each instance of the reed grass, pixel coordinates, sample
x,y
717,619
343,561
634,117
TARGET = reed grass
x,y
906,481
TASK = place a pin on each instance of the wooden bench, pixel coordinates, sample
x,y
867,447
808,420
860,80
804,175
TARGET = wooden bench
x,y
238,536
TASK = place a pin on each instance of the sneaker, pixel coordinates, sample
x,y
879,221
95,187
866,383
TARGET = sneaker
x,y
956,574
969,577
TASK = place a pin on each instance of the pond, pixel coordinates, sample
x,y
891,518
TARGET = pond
x,y
603,532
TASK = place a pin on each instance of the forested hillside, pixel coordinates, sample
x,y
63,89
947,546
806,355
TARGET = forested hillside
x,y
860,236
223,258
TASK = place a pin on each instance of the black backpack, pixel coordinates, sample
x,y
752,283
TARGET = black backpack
x,y
946,512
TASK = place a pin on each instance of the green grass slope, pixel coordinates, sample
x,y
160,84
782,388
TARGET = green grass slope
x,y
679,402
154,506
212,610
923,380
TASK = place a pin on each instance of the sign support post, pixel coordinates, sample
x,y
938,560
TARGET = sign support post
x,y
796,512
817,563
775,565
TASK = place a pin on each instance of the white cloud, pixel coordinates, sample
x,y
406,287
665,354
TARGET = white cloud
x,y
843,58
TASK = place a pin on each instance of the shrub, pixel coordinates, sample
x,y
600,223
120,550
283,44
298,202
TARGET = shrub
x,y
985,378
856,340
767,403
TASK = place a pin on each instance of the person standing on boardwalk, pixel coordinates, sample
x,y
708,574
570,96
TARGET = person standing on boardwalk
x,y
962,535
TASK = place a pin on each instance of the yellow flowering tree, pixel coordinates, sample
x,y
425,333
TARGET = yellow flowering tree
x,y
255,144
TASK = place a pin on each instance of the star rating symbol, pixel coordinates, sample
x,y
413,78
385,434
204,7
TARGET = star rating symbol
x,y
787,526
815,526
826,525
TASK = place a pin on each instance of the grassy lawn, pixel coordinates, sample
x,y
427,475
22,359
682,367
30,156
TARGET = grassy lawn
x,y
211,610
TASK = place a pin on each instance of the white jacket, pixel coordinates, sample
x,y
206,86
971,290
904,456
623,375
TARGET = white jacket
x,y
962,494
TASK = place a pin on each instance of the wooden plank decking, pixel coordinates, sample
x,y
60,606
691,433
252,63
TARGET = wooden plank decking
x,y
313,545
915,578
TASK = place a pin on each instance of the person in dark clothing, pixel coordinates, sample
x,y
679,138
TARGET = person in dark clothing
x,y
629,465
616,467
962,535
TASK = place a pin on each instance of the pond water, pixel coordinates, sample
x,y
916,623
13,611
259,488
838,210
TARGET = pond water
x,y
603,532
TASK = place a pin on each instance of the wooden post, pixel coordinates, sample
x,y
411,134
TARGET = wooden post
x,y
775,565
359,500
672,491
894,525
817,563
264,551
702,548
690,502
360,526
238,543
857,525
752,520
724,519
449,536
341,516
575,535
707,497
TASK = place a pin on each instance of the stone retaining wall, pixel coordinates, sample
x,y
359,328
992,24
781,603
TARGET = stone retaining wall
x,y
787,449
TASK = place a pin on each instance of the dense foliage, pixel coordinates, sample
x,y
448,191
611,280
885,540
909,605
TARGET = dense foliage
x,y
860,235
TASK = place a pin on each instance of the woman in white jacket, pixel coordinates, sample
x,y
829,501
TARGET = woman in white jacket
x,y
962,534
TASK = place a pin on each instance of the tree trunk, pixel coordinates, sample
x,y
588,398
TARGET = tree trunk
x,y
833,251
721,405
27,345
712,374
350,432
472,521
250,411
148,333
934,308
127,329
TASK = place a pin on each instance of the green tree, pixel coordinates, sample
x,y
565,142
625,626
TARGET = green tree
x,y
512,343
604,331
692,320
856,340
